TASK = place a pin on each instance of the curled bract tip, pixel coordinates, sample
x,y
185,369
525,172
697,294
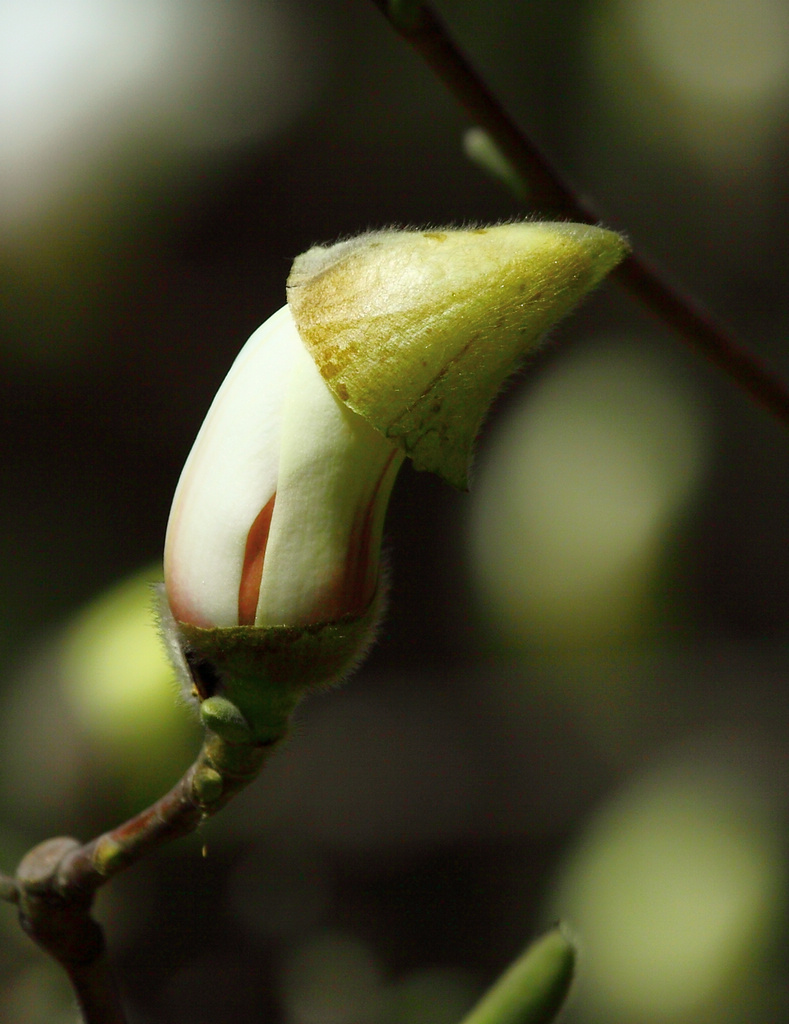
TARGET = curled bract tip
x,y
417,330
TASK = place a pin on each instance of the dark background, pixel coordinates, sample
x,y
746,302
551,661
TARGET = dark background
x,y
578,704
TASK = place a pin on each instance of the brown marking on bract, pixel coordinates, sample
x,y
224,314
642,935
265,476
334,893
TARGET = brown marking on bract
x,y
437,236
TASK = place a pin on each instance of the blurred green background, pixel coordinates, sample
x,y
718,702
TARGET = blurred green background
x,y
578,707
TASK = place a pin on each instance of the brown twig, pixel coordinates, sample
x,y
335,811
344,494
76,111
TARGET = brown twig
x,y
221,770
64,928
56,881
548,190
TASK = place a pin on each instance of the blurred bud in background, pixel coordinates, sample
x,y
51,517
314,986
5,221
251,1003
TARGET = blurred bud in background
x,y
97,715
119,686
42,756
677,887
579,496
708,77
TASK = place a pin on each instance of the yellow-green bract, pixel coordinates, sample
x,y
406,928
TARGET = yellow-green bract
x,y
416,330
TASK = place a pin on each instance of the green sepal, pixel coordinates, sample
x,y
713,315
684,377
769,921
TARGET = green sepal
x,y
251,678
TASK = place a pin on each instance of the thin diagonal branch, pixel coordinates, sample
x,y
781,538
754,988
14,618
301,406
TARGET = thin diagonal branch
x,y
548,190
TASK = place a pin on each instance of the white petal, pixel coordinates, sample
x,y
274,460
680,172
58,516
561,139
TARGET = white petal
x,y
332,466
231,473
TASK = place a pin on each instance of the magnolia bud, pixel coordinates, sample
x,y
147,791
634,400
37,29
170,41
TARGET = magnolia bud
x,y
393,343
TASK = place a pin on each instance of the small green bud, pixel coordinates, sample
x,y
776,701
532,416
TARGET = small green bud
x,y
481,148
208,785
223,717
108,855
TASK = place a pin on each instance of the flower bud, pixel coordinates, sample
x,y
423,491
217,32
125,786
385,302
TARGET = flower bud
x,y
273,545
391,344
